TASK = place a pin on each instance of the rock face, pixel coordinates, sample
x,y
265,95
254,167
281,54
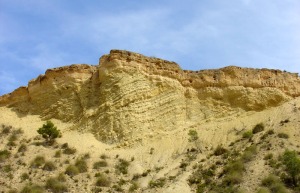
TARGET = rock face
x,y
129,93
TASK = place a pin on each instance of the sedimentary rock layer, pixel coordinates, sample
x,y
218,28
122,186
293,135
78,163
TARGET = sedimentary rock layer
x,y
129,93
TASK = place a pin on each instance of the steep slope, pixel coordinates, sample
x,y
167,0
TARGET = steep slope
x,y
129,94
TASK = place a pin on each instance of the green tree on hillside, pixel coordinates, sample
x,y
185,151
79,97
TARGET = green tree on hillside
x,y
49,132
292,165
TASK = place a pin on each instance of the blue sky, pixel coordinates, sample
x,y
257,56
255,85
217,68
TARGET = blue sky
x,y
197,34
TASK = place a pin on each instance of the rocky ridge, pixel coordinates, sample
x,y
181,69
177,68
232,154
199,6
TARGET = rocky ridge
x,y
129,94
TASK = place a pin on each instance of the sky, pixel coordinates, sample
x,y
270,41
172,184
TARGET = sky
x,y
36,35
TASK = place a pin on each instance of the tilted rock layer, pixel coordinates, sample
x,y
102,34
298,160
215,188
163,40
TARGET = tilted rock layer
x,y
129,93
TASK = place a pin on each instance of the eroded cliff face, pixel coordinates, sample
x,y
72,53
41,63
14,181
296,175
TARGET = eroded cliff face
x,y
129,94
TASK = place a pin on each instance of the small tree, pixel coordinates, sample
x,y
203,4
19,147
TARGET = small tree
x,y
49,132
292,165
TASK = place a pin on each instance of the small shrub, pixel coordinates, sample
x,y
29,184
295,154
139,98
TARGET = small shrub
x,y
122,166
57,154
233,178
6,168
24,176
220,151
69,151
49,166
247,134
103,156
258,128
37,162
22,148
193,135
65,145
263,190
268,156
6,129
249,153
134,186
100,164
283,135
270,132
55,185
32,188
72,170
157,183
4,155
103,181
81,165
61,177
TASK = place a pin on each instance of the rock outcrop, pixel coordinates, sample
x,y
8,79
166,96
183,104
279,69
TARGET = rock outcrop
x,y
129,93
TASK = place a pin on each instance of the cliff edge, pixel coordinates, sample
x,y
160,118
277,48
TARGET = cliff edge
x,y
129,93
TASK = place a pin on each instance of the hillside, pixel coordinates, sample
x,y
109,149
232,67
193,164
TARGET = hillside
x,y
150,126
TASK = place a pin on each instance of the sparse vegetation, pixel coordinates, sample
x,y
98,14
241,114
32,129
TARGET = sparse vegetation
x,y
22,148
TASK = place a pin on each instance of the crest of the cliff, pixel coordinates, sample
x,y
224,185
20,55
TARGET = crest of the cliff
x,y
129,93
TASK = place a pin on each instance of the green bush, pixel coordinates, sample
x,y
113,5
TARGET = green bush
x,y
4,155
122,166
69,151
57,154
157,183
54,185
134,186
233,178
49,131
193,135
220,150
32,188
72,170
249,153
258,128
247,134
24,176
22,148
263,190
268,156
292,165
49,166
274,184
283,135
103,181
37,162
100,164
81,165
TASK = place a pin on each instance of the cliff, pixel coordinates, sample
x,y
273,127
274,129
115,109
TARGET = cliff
x,y
129,94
